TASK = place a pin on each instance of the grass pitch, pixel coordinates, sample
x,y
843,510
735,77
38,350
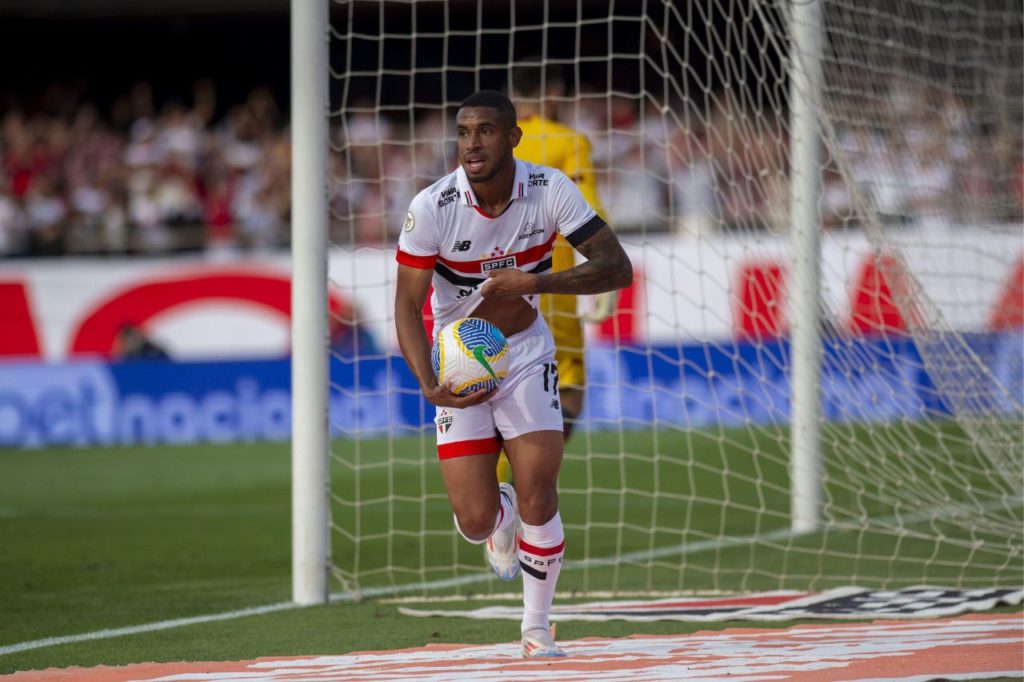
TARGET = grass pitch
x,y
905,504
108,538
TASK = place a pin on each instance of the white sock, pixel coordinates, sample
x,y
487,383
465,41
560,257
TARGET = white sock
x,y
506,515
540,554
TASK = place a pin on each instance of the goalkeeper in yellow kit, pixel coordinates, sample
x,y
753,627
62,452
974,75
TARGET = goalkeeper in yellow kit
x,y
549,143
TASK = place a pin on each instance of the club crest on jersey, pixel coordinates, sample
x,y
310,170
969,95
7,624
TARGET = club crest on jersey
x,y
445,421
498,263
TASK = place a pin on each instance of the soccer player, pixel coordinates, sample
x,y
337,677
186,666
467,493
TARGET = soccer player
x,y
483,236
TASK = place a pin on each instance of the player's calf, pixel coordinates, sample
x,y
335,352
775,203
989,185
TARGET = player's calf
x,y
540,556
502,545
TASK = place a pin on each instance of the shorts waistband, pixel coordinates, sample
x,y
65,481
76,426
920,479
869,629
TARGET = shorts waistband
x,y
539,320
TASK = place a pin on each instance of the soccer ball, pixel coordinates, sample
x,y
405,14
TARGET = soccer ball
x,y
470,354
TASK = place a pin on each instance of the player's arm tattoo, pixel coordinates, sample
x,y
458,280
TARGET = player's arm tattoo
x,y
607,268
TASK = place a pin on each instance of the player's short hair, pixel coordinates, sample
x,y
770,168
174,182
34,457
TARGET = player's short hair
x,y
531,78
493,100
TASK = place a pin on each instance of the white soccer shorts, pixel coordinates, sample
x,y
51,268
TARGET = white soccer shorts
x,y
527,400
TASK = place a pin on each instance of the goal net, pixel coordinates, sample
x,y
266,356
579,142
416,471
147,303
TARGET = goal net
x,y
678,477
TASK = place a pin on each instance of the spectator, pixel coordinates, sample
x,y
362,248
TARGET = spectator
x,y
87,204
693,183
150,235
46,212
133,344
13,226
142,178
260,223
217,213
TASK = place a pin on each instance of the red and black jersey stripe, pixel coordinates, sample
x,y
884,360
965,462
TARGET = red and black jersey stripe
x,y
524,257
470,272
458,279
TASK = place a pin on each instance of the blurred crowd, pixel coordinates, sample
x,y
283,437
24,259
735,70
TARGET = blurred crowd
x,y
917,155
146,179
75,180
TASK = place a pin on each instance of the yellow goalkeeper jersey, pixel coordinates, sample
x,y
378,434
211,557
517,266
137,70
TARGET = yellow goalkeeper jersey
x,y
552,144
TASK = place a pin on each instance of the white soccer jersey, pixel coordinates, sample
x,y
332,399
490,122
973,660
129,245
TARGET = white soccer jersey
x,y
447,231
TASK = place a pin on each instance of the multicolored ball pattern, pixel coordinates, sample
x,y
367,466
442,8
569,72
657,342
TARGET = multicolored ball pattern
x,y
470,354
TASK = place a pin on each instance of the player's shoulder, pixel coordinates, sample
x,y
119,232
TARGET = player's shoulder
x,y
438,195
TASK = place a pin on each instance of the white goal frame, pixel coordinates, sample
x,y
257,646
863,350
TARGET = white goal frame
x,y
809,123
310,501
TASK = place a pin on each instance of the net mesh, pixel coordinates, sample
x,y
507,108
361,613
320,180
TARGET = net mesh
x,y
678,476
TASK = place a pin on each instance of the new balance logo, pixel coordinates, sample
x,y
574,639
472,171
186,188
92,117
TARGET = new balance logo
x,y
462,246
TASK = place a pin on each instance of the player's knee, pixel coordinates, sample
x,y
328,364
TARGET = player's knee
x,y
475,525
537,507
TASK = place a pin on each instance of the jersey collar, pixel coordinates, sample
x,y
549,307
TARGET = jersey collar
x,y
519,186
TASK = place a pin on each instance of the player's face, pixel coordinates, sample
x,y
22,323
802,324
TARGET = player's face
x,y
485,142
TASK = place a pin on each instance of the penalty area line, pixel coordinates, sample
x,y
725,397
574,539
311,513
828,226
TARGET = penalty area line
x,y
148,627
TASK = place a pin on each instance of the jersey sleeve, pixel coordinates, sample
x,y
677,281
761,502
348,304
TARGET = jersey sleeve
x,y
418,241
575,218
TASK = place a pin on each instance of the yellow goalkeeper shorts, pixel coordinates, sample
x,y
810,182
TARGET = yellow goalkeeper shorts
x,y
560,313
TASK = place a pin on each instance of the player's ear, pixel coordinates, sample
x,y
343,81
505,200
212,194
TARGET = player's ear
x,y
515,135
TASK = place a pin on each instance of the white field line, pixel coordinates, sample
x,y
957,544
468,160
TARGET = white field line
x,y
148,627
689,548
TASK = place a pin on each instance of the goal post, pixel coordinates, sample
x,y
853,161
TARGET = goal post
x,y
816,378
310,513
805,209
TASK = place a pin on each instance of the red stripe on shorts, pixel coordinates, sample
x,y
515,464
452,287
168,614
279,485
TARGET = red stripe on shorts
x,y
541,551
482,446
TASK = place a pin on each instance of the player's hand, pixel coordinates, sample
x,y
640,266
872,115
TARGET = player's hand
x,y
507,283
442,396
